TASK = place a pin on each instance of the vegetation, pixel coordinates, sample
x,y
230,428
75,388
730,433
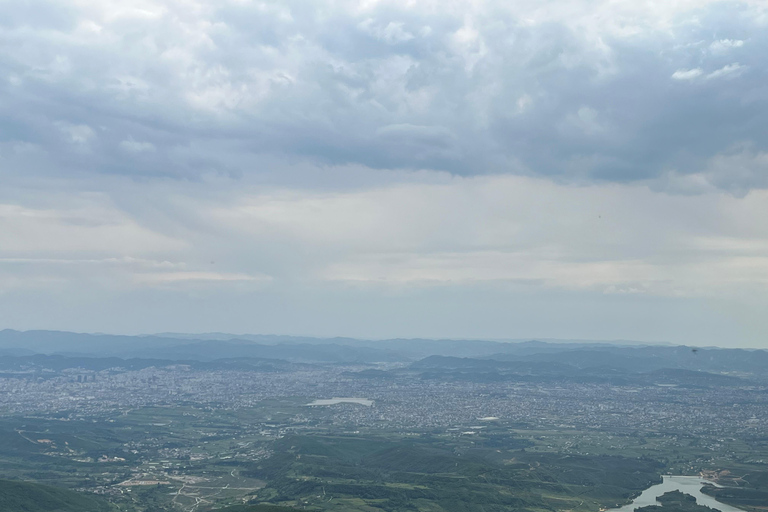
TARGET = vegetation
x,y
438,474
255,508
18,496
749,498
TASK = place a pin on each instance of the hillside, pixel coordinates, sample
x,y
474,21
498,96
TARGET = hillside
x,y
255,508
18,496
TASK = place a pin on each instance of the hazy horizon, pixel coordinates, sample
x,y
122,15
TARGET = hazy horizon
x,y
223,336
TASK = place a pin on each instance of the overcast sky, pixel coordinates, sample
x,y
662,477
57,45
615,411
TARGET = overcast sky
x,y
592,169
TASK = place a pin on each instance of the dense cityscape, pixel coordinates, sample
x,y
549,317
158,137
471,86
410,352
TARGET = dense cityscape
x,y
403,400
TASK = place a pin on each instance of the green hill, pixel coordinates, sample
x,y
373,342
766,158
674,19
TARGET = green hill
x,y
352,473
16,496
255,508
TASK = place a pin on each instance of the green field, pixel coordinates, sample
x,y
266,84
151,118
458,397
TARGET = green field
x,y
18,496
197,459
442,473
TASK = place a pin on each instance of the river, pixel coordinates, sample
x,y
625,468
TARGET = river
x,y
687,484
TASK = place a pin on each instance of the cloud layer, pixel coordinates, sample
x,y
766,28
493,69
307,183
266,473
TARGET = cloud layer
x,y
579,90
291,253
386,168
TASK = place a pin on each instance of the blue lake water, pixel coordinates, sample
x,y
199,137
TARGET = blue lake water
x,y
336,400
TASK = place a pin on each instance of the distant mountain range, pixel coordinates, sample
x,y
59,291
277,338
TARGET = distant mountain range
x,y
273,353
484,370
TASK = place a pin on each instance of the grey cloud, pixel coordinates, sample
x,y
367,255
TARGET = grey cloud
x,y
739,170
228,87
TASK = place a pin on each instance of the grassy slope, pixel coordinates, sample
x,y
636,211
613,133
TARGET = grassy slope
x,y
255,508
18,496
352,474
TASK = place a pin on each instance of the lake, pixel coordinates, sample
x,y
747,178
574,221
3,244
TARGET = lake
x,y
335,400
687,484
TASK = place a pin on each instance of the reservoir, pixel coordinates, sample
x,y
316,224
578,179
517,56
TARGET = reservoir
x,y
334,401
687,484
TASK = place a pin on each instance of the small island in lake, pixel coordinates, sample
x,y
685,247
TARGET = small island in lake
x,y
676,501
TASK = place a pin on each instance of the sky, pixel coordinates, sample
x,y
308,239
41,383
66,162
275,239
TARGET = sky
x,y
581,169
